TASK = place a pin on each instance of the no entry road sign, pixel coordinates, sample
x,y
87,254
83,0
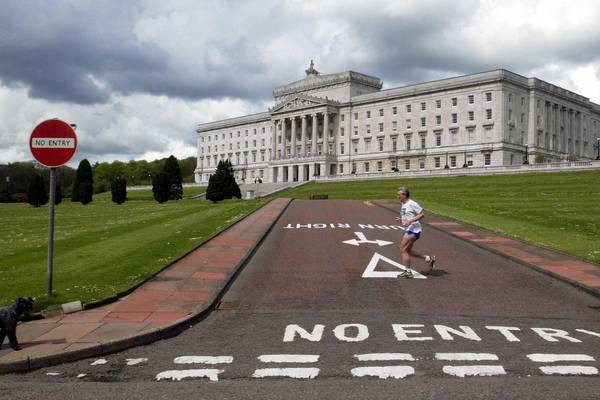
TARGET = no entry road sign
x,y
53,143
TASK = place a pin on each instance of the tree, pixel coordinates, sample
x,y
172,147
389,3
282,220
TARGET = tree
x,y
230,186
83,187
118,189
37,195
58,194
173,173
160,187
216,182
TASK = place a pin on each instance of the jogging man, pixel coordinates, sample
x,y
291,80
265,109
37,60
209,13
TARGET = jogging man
x,y
411,213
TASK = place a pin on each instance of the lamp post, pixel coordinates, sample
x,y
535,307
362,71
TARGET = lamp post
x,y
465,163
446,166
598,148
526,159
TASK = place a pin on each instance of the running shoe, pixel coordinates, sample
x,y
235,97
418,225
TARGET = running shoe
x,y
431,263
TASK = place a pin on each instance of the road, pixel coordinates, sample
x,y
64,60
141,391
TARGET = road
x,y
318,312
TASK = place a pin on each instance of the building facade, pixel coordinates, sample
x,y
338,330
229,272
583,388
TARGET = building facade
x,y
343,123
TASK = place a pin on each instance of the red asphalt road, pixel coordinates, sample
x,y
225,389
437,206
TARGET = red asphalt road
x,y
306,269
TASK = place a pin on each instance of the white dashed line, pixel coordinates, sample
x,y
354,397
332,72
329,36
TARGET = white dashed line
x,y
392,371
466,356
203,360
474,370
298,373
540,357
384,357
569,370
289,358
177,375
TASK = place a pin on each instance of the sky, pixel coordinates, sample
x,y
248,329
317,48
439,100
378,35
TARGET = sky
x,y
137,77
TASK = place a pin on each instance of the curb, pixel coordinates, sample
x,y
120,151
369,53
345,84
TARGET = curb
x,y
578,285
165,332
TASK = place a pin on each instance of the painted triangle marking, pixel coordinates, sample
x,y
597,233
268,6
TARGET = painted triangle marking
x,y
370,271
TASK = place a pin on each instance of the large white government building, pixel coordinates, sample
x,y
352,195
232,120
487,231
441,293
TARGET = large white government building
x,y
343,123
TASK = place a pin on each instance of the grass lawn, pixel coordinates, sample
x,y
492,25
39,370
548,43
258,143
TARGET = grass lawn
x,y
556,210
102,248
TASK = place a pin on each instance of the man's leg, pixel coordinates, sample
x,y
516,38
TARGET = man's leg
x,y
406,248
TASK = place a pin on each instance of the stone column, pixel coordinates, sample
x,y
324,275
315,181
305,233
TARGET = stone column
x,y
313,146
293,154
303,137
283,139
325,132
274,139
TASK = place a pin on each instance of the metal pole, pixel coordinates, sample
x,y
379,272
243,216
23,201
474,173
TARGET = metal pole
x,y
51,228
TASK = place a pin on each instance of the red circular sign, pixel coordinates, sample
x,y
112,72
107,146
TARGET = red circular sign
x,y
53,143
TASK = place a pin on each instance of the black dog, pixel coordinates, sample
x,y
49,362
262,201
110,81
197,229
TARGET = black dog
x,y
9,316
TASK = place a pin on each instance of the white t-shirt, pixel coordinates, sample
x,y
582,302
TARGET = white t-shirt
x,y
409,210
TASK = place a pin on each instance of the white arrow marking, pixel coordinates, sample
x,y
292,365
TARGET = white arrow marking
x,y
363,239
371,273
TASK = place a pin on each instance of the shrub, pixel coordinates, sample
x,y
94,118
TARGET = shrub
x,y
37,195
119,190
160,187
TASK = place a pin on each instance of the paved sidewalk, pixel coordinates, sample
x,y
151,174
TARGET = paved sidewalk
x,y
567,268
162,307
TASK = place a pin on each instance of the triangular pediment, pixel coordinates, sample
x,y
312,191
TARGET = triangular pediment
x,y
300,101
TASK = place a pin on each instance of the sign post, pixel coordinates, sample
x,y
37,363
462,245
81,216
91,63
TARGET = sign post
x,y
52,143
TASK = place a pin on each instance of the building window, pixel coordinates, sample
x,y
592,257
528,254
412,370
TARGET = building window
x,y
381,112
438,140
394,110
423,122
253,156
366,167
488,96
509,114
254,143
471,134
471,116
421,163
393,165
438,104
454,137
488,113
356,131
487,159
368,129
394,125
469,160
408,124
522,117
423,106
408,108
510,99
341,168
355,116
341,148
341,131
471,99
381,145
438,119
453,161
522,101
422,142
379,166
262,156
407,164
394,145
368,145
262,142
381,127
368,114
454,101
408,143
454,118
342,117
437,162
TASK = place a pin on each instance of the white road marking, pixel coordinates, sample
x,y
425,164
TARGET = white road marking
x,y
135,361
288,358
81,375
53,373
588,332
392,371
99,361
363,239
299,373
384,357
370,272
177,375
474,370
203,360
539,357
569,370
466,356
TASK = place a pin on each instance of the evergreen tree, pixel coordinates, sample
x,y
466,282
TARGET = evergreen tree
x,y
57,194
173,172
216,183
118,189
160,187
230,187
83,187
37,195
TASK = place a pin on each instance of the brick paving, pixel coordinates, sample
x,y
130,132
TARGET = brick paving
x,y
567,268
156,309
